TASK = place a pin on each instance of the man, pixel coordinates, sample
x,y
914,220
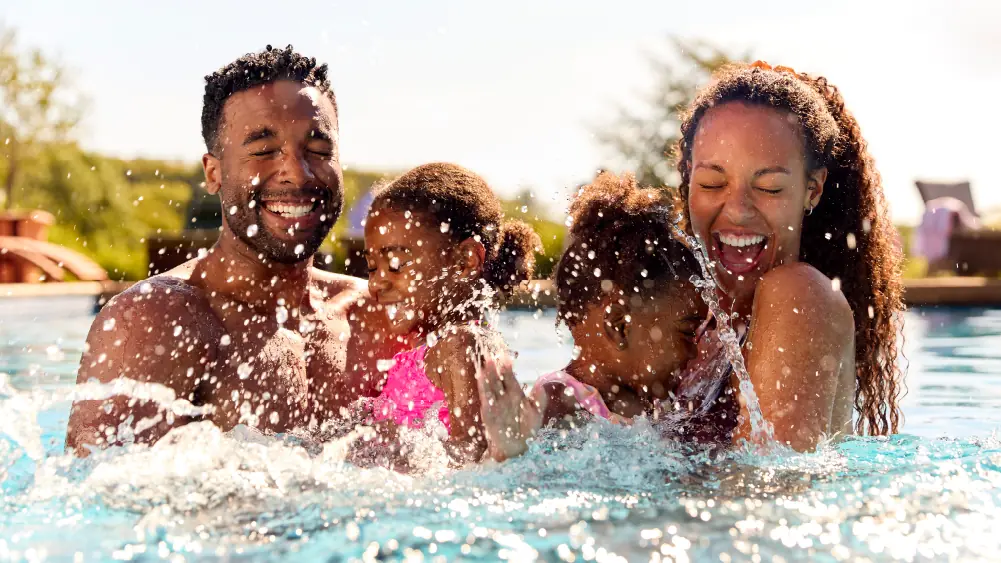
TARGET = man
x,y
250,331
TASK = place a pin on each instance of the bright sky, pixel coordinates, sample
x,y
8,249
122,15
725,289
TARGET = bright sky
x,y
513,89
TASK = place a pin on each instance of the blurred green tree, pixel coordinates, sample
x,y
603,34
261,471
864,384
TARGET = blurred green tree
x,y
37,106
643,139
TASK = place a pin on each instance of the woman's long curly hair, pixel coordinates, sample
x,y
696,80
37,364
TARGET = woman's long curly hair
x,y
848,236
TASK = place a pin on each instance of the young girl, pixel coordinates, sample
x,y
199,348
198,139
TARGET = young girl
x,y
440,258
624,291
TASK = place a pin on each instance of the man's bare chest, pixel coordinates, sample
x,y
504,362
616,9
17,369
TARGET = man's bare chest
x,y
263,375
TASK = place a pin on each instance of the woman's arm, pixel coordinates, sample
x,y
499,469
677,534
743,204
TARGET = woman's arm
x,y
801,349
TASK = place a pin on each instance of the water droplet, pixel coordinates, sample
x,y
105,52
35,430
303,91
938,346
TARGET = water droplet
x,y
252,230
243,370
255,180
836,284
590,254
384,365
281,314
232,210
109,324
394,262
607,286
54,354
576,353
644,273
145,288
850,239
444,227
273,418
224,341
597,272
382,229
524,209
177,331
252,204
299,249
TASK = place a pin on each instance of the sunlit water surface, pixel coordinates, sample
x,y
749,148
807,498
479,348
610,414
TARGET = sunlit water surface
x,y
599,493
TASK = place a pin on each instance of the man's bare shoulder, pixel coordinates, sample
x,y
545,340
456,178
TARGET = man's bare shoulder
x,y
160,320
164,293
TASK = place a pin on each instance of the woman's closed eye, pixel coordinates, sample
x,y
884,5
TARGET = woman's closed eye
x,y
769,189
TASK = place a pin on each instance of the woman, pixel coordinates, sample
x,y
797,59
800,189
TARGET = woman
x,y
778,185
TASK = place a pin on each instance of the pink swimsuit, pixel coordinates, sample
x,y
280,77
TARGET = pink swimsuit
x,y
409,394
586,395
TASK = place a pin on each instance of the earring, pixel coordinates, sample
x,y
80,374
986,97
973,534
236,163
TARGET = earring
x,y
809,211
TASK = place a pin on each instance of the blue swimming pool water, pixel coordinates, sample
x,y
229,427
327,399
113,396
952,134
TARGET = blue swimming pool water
x,y
598,493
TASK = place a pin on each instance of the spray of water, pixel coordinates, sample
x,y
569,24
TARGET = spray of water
x,y
761,429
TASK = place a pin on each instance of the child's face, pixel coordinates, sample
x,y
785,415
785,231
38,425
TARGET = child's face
x,y
660,339
409,262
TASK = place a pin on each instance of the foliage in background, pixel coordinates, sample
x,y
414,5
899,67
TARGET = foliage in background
x,y
525,208
643,138
106,207
37,107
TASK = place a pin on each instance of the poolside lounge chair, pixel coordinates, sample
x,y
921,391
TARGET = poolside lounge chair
x,y
972,250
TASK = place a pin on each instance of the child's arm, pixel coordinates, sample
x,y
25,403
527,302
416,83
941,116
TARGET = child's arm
x,y
451,363
510,418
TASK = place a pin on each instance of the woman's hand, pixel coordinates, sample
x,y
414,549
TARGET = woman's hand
x,y
510,419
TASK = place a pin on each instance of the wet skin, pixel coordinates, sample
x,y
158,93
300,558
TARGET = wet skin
x,y
422,279
750,188
252,329
631,350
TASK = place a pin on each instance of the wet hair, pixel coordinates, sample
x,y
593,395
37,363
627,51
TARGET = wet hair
x,y
622,234
256,69
848,236
462,199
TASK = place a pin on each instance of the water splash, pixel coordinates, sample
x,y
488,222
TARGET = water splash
x,y
761,429
19,410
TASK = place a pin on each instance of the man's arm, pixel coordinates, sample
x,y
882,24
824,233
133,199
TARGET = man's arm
x,y
160,331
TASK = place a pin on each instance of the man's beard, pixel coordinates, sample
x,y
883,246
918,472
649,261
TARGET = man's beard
x,y
248,226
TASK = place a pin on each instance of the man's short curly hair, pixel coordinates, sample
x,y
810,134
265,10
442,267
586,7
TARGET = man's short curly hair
x,y
256,69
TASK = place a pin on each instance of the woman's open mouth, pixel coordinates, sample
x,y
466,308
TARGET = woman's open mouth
x,y
739,253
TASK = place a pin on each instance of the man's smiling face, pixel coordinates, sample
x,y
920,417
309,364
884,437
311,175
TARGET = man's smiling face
x,y
280,178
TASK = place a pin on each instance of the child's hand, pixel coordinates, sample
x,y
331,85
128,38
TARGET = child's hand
x,y
510,418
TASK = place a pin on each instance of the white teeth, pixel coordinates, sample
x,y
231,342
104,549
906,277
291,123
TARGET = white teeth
x,y
288,211
741,241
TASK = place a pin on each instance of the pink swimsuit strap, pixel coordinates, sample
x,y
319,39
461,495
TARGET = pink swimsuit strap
x,y
408,394
586,395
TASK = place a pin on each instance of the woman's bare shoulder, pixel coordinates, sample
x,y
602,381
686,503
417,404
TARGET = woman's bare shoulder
x,y
805,292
